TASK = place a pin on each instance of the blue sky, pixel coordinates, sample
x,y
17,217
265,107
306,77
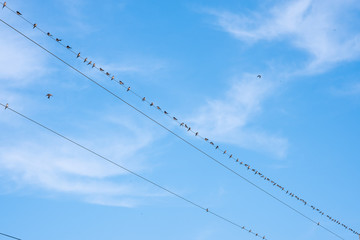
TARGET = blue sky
x,y
198,60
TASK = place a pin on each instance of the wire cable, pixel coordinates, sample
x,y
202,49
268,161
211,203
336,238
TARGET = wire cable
x,y
182,124
129,171
170,131
9,236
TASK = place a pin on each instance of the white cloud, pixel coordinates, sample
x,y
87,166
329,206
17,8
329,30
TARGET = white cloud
x,y
321,28
226,120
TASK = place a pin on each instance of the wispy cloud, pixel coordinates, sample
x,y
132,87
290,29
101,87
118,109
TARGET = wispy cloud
x,y
321,28
227,119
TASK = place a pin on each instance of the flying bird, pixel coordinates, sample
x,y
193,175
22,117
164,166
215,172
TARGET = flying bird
x,y
35,25
49,34
58,40
49,95
4,4
78,55
6,106
259,76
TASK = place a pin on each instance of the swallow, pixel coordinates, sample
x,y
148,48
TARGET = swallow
x,y
121,83
89,62
186,126
259,76
49,95
128,89
189,128
107,74
175,118
85,60
158,108
93,65
151,104
112,78
18,13
206,139
143,98
230,156
49,34
196,133
181,124
6,106
166,112
58,40
4,4
78,55
224,151
211,143
101,69
318,223
68,47
35,25
241,163
216,147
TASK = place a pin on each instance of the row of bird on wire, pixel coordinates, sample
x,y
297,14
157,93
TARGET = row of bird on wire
x,y
85,60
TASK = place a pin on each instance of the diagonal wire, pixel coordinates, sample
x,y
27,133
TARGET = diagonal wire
x,y
9,236
231,156
129,171
170,131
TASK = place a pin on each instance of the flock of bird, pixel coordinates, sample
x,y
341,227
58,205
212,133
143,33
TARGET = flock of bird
x,y
189,129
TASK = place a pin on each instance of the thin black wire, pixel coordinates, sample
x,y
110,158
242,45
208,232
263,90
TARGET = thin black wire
x,y
167,129
189,129
126,169
9,236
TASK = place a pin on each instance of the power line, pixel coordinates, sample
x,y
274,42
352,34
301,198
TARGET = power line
x,y
9,236
217,147
132,172
167,129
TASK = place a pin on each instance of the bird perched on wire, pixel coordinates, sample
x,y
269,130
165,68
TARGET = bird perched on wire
x,y
35,25
58,39
259,76
93,65
128,89
89,62
175,118
4,4
112,78
6,106
78,55
143,98
18,13
101,69
107,74
121,83
85,59
49,95
68,47
49,34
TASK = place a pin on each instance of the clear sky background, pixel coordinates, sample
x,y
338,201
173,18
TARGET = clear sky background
x,y
298,124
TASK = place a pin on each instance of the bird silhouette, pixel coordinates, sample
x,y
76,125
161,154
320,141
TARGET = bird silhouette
x,y
6,106
128,89
182,124
230,156
58,40
107,74
158,108
166,112
224,151
68,47
189,128
259,76
49,95
35,25
4,4
112,78
206,139
89,62
93,65
175,118
151,104
18,13
49,34
143,98
121,83
78,55
85,59
101,69
196,133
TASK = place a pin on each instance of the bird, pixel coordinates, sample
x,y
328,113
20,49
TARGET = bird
x,y
216,147
166,112
49,95
211,143
230,156
4,4
259,76
186,126
158,108
143,98
58,40
224,151
121,83
78,55
107,74
18,13
89,62
197,133
128,89
189,128
206,139
175,118
101,69
151,104
6,106
93,65
68,47
49,34
35,25
207,210
182,124
85,59
112,78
